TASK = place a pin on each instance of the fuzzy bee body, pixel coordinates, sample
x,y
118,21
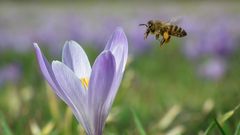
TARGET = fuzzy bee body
x,y
174,30
166,30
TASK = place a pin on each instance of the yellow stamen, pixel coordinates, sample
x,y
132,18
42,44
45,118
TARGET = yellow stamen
x,y
85,82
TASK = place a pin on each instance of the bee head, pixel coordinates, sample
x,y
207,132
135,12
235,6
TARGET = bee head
x,y
148,25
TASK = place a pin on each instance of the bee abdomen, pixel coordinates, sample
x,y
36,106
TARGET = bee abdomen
x,y
184,33
177,31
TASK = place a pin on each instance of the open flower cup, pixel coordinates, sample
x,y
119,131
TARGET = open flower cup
x,y
88,91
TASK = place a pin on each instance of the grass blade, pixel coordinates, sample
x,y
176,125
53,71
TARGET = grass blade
x,y
219,127
210,127
4,126
47,129
138,124
237,132
169,117
227,115
220,121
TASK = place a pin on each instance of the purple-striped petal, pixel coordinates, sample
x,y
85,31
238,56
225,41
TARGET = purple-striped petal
x,y
47,72
118,45
76,59
73,88
45,68
101,79
102,75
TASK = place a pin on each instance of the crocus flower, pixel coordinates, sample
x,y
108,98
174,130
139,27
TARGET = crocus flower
x,y
89,92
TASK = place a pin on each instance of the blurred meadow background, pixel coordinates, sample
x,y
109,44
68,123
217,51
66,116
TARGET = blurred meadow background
x,y
177,89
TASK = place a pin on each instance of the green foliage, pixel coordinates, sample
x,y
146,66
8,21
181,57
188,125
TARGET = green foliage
x,y
221,121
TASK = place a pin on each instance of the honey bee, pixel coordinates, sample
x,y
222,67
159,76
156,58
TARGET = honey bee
x,y
165,29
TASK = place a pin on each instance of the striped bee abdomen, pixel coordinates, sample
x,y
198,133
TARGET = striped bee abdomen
x,y
174,30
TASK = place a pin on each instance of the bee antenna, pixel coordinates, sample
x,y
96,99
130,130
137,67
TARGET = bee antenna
x,y
143,25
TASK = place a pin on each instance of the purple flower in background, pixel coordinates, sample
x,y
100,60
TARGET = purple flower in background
x,y
10,73
219,40
210,47
213,69
89,92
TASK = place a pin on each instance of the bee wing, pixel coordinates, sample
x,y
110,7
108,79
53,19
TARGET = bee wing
x,y
175,20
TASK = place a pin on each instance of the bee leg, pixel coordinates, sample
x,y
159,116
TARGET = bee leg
x,y
157,36
168,39
162,42
146,34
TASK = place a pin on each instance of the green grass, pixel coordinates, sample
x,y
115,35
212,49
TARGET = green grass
x,y
153,84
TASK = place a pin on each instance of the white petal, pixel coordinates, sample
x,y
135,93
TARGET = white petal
x,y
76,59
